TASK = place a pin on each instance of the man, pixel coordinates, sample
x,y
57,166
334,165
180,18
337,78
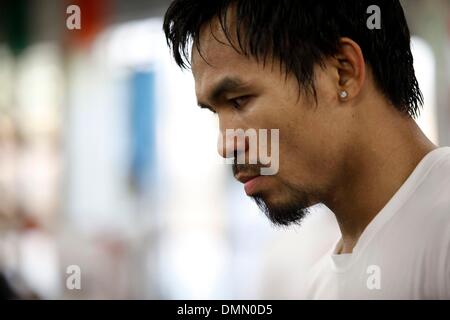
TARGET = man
x,y
342,91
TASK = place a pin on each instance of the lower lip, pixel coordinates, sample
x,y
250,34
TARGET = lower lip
x,y
251,186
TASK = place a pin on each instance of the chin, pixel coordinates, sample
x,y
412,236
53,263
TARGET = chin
x,y
282,213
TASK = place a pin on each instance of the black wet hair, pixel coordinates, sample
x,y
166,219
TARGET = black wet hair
x,y
302,33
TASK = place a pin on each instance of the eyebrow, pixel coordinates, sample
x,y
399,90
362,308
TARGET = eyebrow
x,y
224,86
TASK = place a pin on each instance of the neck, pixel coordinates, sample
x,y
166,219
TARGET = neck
x,y
381,160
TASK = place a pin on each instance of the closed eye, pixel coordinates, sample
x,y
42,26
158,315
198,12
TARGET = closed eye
x,y
239,102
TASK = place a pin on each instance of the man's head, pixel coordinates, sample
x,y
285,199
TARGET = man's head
x,y
309,68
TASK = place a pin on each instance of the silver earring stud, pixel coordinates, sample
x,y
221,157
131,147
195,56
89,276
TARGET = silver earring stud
x,y
343,94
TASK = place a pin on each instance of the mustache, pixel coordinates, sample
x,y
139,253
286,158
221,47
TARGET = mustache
x,y
247,169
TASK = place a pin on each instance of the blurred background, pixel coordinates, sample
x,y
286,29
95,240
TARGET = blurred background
x,y
107,164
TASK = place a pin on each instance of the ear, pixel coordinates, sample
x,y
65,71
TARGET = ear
x,y
351,68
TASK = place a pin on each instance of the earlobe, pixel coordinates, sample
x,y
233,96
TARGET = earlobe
x,y
343,94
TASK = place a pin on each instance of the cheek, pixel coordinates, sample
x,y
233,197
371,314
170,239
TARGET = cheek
x,y
308,152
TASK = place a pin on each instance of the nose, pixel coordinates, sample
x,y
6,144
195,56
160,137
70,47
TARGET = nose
x,y
231,143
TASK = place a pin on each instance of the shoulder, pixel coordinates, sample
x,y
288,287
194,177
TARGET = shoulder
x,y
440,170
435,226
432,196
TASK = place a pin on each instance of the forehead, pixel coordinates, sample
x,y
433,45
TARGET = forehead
x,y
218,59
212,39
214,46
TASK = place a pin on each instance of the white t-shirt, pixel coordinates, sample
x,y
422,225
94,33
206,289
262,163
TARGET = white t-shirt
x,y
404,253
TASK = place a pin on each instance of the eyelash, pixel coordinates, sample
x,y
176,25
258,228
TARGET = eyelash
x,y
235,104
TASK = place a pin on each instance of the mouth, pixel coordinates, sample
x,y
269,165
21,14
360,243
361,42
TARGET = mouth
x,y
250,182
